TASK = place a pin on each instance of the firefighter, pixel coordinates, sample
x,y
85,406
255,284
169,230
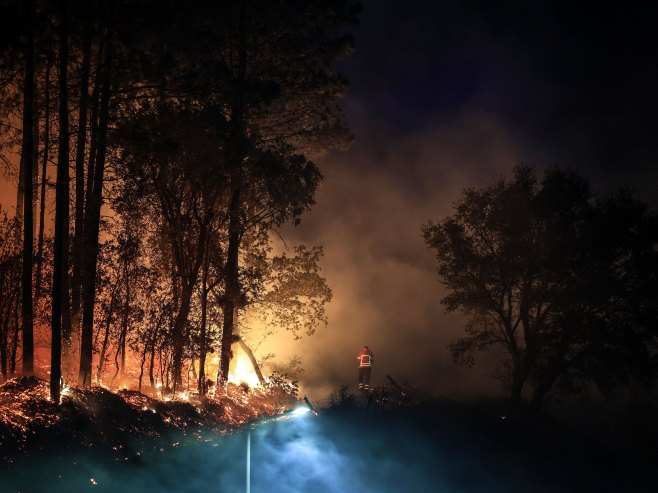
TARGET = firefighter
x,y
365,360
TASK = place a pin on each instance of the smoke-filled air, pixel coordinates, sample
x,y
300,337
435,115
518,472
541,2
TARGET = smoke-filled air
x,y
328,246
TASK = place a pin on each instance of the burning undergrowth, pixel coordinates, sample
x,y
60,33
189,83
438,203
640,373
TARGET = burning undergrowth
x,y
99,418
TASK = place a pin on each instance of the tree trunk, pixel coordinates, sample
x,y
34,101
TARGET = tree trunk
x,y
27,155
152,364
544,385
120,363
78,238
178,334
232,287
237,149
20,198
60,271
35,151
141,368
124,325
44,181
4,343
106,336
516,389
14,341
92,218
204,310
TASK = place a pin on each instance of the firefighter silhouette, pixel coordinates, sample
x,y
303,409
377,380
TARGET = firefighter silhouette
x,y
365,359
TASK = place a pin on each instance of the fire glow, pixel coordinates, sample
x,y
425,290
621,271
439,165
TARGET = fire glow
x,y
243,372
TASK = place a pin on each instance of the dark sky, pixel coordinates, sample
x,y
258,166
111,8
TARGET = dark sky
x,y
451,94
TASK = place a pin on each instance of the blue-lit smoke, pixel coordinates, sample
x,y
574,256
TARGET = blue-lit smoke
x,y
307,453
331,453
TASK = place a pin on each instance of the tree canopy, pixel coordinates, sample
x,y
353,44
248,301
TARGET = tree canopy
x,y
182,136
562,279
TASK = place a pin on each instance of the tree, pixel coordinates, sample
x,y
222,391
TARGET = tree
x,y
60,294
539,270
271,75
27,157
166,170
10,291
284,292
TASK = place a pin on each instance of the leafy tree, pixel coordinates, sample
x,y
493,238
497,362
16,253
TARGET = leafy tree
x,y
284,292
166,171
561,280
269,73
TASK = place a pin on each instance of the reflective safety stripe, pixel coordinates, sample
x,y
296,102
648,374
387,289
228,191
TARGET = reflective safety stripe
x,y
365,360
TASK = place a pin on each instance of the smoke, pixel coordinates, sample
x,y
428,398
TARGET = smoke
x,y
386,292
306,454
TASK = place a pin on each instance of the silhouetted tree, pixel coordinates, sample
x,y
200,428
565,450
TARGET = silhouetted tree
x,y
10,293
278,114
166,171
559,279
60,294
27,157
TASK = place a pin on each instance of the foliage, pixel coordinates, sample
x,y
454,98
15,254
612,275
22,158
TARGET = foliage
x,y
293,295
341,399
561,279
280,382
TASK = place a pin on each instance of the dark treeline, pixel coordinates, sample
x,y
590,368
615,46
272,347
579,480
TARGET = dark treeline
x,y
179,135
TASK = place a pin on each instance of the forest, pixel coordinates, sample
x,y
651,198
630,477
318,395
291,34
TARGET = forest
x,y
157,148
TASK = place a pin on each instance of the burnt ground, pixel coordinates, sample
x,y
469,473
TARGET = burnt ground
x,y
116,442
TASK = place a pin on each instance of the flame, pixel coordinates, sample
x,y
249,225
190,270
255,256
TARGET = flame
x,y
243,372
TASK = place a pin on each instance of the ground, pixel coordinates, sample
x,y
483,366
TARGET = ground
x,y
435,446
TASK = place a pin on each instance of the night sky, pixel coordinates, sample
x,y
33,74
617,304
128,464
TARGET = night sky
x,y
448,95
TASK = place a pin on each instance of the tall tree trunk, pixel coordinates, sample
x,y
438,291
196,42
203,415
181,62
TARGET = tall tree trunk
x,y
141,368
60,271
237,149
152,364
204,315
27,155
78,238
44,181
178,333
14,340
546,381
95,103
106,336
516,389
124,325
20,198
4,343
35,151
232,288
92,216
